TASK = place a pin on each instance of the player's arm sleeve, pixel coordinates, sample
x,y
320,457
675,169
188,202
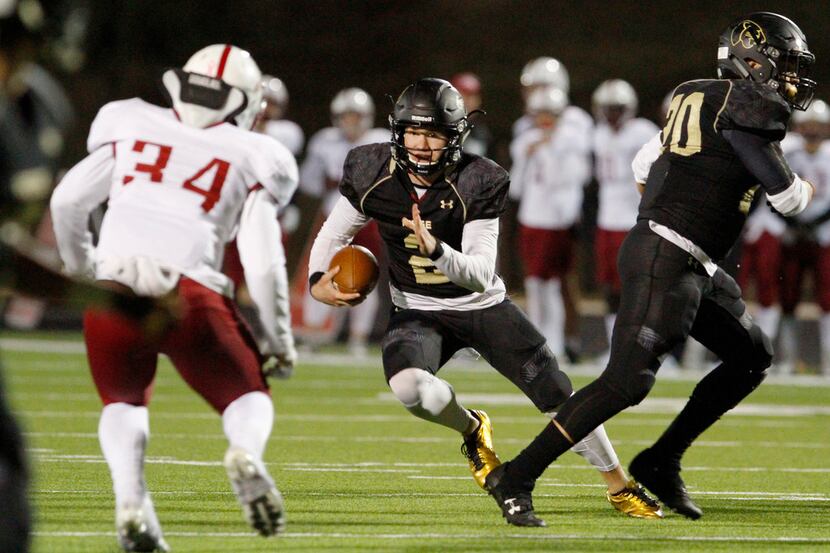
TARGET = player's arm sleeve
x,y
475,265
645,158
787,193
337,231
281,182
82,189
313,171
260,250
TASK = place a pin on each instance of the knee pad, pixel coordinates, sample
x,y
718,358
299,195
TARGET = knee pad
x,y
543,382
419,390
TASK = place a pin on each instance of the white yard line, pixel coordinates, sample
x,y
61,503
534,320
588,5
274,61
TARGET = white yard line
x,y
373,362
495,537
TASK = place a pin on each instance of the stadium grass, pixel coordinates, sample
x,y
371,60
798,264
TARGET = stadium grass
x,y
360,474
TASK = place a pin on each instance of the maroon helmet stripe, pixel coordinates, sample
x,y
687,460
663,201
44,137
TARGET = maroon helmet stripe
x,y
225,53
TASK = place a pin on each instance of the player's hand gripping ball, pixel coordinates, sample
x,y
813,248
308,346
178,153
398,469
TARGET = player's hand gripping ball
x,y
358,271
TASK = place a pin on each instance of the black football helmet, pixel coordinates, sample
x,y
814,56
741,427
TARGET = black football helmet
x,y
434,104
779,48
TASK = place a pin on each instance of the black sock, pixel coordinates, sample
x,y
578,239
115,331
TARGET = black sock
x,y
719,391
578,416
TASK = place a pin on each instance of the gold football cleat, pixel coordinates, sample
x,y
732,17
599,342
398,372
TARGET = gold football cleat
x,y
635,502
478,448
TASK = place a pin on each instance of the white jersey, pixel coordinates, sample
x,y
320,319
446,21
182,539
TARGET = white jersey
x,y
548,174
176,192
614,151
322,169
572,115
814,168
288,133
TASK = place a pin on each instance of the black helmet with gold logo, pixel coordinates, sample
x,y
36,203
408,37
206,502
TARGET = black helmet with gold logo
x,y
768,48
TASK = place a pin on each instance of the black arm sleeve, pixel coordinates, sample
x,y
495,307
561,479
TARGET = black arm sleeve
x,y
763,158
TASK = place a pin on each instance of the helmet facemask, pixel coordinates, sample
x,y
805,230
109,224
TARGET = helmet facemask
x,y
770,49
451,152
429,104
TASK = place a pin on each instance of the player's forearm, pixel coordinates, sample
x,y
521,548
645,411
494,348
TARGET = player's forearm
x,y
342,224
260,250
474,267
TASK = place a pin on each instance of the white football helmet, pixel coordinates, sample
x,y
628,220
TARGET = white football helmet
x,y
274,90
219,83
546,71
549,99
614,93
818,112
353,100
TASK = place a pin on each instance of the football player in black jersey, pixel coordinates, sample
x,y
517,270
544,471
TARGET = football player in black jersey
x,y
721,140
437,210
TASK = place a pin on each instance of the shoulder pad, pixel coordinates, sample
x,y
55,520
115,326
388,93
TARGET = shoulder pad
x,y
755,108
482,185
363,167
111,119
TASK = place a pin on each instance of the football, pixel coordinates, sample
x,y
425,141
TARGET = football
x,y
358,270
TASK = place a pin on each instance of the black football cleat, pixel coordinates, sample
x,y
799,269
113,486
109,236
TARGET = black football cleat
x,y
516,504
663,480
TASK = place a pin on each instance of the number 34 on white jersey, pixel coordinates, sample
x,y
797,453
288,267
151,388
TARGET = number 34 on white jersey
x,y
176,192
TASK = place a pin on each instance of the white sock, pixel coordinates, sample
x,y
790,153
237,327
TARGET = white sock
x,y
247,422
428,397
787,343
533,294
123,431
824,337
554,330
610,319
596,448
768,319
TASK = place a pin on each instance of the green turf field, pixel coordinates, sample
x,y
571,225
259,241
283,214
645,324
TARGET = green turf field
x,y
361,474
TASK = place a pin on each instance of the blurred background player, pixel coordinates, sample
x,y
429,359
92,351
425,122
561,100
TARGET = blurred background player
x,y
179,181
807,238
618,136
551,163
548,72
352,116
273,122
443,279
480,138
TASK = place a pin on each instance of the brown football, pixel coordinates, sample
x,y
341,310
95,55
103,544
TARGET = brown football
x,y
358,270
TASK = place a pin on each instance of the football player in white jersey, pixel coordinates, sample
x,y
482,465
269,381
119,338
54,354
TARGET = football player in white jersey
x,y
352,114
551,162
618,136
179,183
272,120
806,244
546,72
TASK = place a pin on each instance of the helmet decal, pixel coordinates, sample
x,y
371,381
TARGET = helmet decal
x,y
748,34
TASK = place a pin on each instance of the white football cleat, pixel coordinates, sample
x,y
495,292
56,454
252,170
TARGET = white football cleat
x,y
138,528
261,501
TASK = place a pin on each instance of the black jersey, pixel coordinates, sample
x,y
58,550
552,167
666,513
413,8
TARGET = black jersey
x,y
475,188
698,187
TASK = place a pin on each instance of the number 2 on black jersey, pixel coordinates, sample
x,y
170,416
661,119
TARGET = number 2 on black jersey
x,y
683,115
